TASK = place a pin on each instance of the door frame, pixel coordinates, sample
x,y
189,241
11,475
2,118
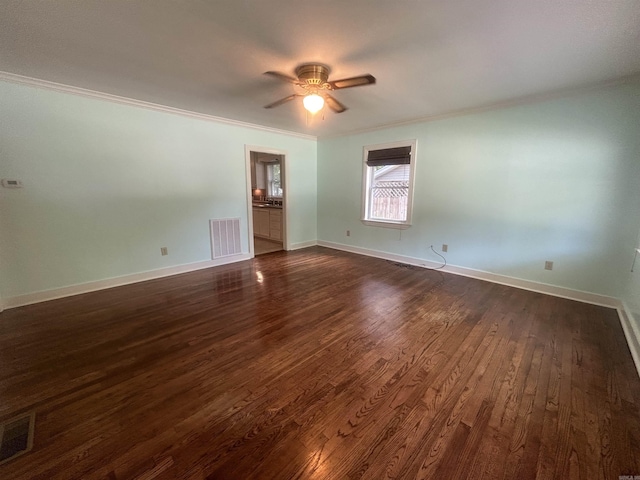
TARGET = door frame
x,y
284,173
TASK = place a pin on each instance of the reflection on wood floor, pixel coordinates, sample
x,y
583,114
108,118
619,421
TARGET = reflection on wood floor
x,y
266,246
317,364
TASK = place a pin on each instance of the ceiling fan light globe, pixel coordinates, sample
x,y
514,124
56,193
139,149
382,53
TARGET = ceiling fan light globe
x,y
313,102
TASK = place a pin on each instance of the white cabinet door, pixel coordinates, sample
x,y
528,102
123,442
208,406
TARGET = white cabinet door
x,y
261,222
275,224
267,223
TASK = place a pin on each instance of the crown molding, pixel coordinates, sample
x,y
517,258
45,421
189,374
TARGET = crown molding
x,y
83,92
529,99
525,100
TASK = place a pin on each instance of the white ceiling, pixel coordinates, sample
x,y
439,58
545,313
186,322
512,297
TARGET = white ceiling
x,y
430,57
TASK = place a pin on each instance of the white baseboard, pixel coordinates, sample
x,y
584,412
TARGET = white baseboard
x,y
78,289
631,332
298,246
586,297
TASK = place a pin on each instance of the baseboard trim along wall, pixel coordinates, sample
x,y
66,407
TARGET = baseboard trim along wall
x,y
298,246
631,332
586,297
43,296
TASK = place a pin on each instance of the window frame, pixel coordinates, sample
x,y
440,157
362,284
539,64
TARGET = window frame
x,y
367,178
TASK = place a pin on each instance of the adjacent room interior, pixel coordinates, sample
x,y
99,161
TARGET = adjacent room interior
x,y
301,240
267,201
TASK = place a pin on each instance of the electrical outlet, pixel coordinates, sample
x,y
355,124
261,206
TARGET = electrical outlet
x,y
445,247
548,265
8,183
348,233
164,251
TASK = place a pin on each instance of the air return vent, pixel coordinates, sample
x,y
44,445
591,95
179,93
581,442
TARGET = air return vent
x,y
16,437
225,237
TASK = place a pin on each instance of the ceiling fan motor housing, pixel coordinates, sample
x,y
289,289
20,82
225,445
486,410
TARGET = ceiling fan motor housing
x,y
313,74
313,79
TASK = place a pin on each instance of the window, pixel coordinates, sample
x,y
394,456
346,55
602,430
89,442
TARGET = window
x,y
274,184
388,184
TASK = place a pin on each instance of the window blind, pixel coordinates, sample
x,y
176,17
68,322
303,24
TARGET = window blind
x,y
389,156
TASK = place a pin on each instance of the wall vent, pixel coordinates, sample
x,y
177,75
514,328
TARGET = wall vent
x,y
225,237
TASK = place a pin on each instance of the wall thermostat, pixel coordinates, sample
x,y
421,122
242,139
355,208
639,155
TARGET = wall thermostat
x,y
8,183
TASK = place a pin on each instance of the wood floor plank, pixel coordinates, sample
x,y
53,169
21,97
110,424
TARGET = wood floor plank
x,y
320,364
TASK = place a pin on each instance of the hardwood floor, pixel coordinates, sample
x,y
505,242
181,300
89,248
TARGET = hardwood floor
x,y
262,246
319,364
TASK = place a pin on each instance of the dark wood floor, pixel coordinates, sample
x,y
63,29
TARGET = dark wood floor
x,y
318,364
262,246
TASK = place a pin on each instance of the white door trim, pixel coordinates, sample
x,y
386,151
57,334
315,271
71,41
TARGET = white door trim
x,y
285,189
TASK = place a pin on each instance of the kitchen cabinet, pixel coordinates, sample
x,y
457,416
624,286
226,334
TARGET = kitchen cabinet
x,y
261,178
261,222
253,173
258,175
267,223
275,224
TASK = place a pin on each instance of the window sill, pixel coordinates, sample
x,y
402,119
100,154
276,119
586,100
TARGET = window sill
x,y
386,224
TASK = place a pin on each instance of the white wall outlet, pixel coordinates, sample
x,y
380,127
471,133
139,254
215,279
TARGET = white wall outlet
x,y
11,183
548,265
445,247
164,251
348,233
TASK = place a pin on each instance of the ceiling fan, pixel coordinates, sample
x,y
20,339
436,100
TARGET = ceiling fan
x,y
313,78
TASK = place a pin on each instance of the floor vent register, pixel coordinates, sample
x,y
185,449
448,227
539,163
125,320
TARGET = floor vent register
x,y
16,437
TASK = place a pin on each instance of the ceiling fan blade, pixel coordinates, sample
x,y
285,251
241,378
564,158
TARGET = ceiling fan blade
x,y
282,76
353,82
334,104
282,100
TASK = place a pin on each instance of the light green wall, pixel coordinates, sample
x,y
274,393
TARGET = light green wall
x,y
507,190
106,185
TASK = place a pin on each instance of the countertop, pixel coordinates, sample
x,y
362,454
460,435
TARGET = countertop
x,y
266,205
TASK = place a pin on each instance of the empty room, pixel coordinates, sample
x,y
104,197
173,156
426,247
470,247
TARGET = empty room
x,y
319,240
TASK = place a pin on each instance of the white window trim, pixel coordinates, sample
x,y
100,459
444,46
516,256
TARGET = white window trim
x,y
366,180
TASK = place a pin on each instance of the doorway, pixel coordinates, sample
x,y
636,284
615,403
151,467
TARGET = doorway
x,y
266,179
